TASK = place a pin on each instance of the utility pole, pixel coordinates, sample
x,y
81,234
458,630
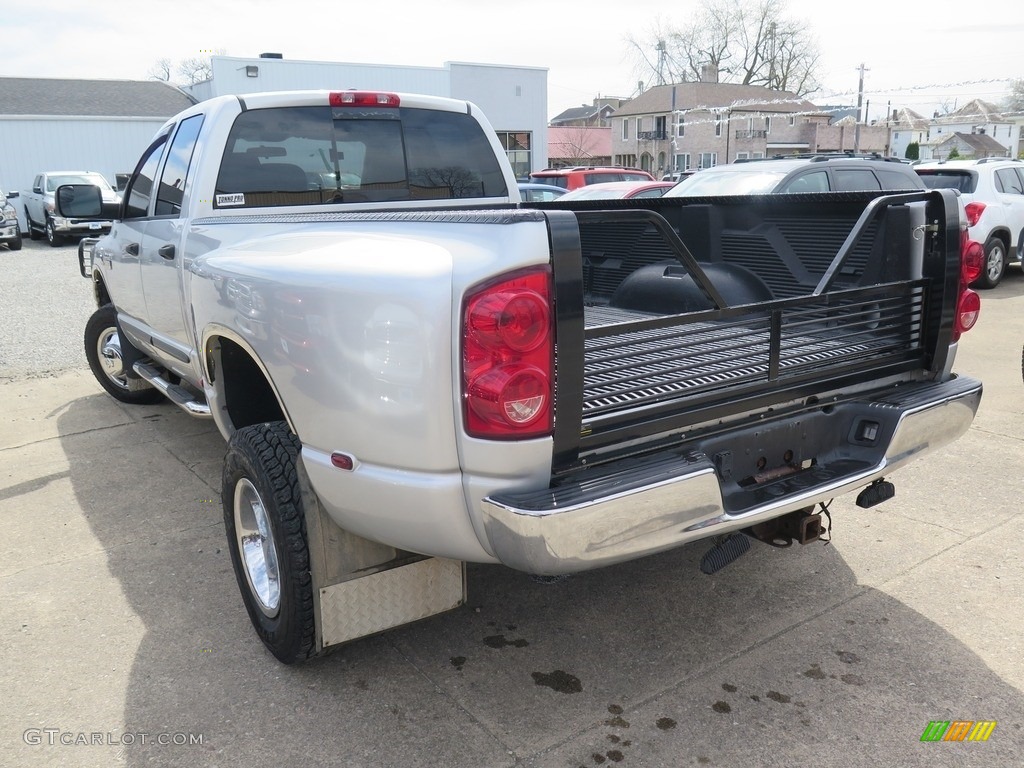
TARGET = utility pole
x,y
860,101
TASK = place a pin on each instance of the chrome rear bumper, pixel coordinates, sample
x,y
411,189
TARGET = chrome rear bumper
x,y
641,506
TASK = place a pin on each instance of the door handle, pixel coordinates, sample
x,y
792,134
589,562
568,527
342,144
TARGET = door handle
x,y
132,249
167,251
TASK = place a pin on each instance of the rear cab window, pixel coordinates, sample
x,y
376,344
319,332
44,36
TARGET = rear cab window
x,y
311,155
963,181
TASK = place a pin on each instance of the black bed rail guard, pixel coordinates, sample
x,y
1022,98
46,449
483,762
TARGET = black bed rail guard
x,y
641,375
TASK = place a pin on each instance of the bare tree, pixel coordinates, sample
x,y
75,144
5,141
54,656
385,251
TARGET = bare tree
x,y
190,71
1014,102
161,70
751,42
577,144
195,69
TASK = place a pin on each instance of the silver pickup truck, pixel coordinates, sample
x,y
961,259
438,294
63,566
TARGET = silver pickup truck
x,y
414,370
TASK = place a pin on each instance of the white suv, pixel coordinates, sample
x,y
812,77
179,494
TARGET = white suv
x,y
993,191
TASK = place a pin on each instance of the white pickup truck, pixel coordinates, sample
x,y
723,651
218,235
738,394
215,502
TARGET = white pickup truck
x,y
413,370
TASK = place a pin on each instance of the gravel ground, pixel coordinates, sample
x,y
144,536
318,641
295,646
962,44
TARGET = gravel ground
x,y
45,308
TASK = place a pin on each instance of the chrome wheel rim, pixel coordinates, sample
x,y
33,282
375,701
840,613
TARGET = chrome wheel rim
x,y
255,541
108,349
995,262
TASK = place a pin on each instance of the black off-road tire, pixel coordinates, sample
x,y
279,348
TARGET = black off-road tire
x,y
101,326
262,458
15,244
993,268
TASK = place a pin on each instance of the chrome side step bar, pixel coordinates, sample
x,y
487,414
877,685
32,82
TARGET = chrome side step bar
x,y
180,396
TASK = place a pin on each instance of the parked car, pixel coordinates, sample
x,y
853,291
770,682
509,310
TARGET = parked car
x,y
10,230
531,192
580,176
40,217
620,190
803,173
679,175
993,193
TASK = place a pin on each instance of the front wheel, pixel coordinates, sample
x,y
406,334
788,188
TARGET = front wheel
x,y
103,351
994,266
15,244
33,233
266,529
52,237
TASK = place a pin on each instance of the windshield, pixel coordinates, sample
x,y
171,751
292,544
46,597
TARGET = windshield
x,y
728,182
52,182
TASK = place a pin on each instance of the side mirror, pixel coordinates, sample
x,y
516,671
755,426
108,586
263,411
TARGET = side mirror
x,y
84,201
78,201
12,195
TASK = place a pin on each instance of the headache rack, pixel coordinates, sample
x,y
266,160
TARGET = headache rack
x,y
865,315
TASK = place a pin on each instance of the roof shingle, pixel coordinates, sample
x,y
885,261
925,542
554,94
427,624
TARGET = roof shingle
x,y
92,98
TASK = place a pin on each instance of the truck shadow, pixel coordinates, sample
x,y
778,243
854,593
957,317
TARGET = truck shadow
x,y
780,648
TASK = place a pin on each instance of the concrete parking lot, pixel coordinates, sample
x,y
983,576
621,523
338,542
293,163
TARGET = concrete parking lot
x,y
124,640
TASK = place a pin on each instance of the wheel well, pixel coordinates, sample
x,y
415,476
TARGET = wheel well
x,y
248,396
1003,235
99,290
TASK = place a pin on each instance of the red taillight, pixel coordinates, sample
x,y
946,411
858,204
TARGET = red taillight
x,y
972,259
967,311
974,211
968,303
364,99
507,357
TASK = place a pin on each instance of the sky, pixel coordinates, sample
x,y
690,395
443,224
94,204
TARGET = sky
x,y
916,55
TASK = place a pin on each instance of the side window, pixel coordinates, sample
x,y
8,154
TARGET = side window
x,y
179,157
816,181
855,180
896,180
140,186
1009,182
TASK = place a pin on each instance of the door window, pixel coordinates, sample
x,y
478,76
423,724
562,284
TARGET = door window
x,y
179,157
855,180
1009,182
140,187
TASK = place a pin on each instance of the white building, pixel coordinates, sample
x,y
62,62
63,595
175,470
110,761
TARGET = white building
x,y
906,128
514,99
51,124
978,117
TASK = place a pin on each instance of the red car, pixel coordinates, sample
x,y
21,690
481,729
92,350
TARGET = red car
x,y
579,176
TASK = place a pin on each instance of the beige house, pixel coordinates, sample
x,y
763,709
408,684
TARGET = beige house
x,y
969,146
703,124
